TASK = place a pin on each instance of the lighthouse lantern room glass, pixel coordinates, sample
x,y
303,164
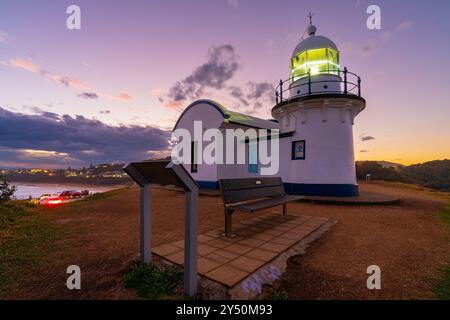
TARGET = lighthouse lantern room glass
x,y
318,61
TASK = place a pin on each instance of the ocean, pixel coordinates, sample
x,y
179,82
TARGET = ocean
x,y
35,190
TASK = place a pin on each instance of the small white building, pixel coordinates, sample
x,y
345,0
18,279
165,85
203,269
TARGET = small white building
x,y
314,112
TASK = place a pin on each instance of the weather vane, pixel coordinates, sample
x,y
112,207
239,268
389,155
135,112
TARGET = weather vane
x,y
310,16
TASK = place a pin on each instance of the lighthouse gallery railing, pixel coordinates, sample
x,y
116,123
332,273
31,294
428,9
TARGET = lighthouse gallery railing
x,y
350,84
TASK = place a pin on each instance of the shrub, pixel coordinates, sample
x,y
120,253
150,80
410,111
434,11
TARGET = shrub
x,y
9,213
277,295
6,191
152,281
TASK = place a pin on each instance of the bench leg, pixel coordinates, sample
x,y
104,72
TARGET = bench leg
x,y
228,223
284,209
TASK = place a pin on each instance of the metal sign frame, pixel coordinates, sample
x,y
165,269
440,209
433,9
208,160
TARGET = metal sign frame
x,y
165,172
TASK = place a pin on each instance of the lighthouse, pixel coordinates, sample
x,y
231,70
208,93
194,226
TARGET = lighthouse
x,y
316,108
313,118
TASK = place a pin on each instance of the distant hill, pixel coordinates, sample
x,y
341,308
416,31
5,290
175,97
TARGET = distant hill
x,y
387,164
433,174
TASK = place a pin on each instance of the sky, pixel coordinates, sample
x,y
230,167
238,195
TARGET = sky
x,y
112,91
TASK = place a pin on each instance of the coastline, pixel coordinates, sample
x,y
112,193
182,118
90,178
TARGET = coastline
x,y
34,189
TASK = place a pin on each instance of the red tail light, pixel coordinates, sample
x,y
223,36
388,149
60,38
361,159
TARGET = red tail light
x,y
55,201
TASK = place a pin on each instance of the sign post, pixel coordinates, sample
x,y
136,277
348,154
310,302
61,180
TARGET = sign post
x,y
147,173
146,224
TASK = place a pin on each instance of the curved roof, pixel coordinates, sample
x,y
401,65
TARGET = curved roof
x,y
233,117
314,42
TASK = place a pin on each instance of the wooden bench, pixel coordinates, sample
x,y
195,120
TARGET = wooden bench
x,y
251,195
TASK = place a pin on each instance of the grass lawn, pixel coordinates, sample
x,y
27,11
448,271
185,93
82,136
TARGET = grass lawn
x,y
25,241
442,289
101,235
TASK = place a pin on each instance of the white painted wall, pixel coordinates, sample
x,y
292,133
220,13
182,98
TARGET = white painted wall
x,y
211,118
329,148
235,171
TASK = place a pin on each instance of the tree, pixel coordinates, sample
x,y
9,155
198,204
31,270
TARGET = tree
x,y
6,191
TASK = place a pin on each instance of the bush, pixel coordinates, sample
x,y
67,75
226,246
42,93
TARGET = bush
x,y
152,281
433,174
6,191
277,295
9,213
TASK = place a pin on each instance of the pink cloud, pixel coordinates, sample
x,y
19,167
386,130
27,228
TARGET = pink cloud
x,y
3,36
124,96
30,66
25,65
68,81
176,105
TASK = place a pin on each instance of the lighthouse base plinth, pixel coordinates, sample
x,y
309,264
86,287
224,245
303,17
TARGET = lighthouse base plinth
x,y
326,190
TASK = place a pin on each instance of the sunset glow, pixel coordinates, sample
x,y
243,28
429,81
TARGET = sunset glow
x,y
128,67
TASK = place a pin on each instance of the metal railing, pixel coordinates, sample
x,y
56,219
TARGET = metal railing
x,y
350,84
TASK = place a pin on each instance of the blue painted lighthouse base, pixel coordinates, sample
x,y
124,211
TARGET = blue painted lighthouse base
x,y
305,189
326,190
208,185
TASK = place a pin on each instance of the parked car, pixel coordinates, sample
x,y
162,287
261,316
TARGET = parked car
x,y
70,194
51,200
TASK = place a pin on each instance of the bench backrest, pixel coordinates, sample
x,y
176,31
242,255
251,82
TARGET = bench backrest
x,y
239,190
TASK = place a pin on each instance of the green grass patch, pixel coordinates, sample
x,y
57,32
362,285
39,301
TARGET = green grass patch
x,y
152,281
101,195
10,213
445,215
25,241
442,288
276,295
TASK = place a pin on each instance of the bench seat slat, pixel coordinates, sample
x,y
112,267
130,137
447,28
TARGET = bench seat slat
x,y
252,194
264,203
249,183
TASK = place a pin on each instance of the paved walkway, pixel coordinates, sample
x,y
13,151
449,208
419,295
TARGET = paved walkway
x,y
260,240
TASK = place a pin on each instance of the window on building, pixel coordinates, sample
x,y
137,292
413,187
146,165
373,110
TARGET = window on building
x,y
333,61
194,160
252,157
298,150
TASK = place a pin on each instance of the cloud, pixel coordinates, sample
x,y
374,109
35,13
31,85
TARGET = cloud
x,y
405,25
220,67
367,138
88,95
237,93
43,113
260,89
30,66
211,80
59,139
124,96
25,65
233,3
3,36
367,49
159,94
65,80
385,37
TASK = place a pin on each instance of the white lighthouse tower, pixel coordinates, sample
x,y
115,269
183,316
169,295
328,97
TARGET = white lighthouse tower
x,y
316,108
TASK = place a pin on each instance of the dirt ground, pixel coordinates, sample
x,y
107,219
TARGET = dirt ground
x,y
408,241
